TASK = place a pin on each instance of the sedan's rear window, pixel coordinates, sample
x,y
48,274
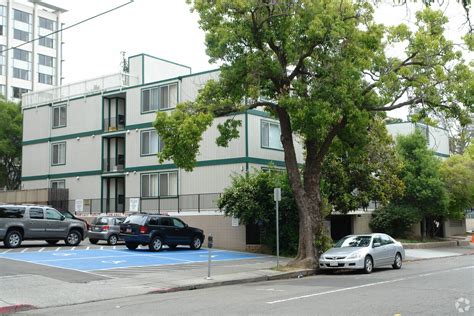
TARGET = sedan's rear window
x,y
135,219
100,221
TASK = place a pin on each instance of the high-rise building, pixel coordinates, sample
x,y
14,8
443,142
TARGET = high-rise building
x,y
30,47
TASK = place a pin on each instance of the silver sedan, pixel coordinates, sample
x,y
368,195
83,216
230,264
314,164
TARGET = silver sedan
x,y
364,252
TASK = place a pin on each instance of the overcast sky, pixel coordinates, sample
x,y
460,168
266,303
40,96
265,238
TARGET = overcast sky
x,y
163,28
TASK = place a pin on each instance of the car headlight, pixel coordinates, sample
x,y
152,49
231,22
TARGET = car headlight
x,y
355,255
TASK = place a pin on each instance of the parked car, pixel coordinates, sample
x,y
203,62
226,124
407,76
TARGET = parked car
x,y
69,215
364,252
105,228
37,222
158,230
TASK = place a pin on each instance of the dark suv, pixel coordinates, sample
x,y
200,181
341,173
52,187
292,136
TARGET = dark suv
x,y
158,230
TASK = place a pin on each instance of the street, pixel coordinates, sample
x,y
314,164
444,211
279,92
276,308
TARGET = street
x,y
425,287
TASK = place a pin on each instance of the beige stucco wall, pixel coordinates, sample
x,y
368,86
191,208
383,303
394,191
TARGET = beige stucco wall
x,y
360,224
470,224
454,227
225,235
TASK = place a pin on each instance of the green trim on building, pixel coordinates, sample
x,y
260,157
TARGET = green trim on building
x,y
62,137
63,175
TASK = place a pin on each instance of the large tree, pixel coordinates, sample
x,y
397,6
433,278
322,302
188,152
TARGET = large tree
x,y
11,122
321,68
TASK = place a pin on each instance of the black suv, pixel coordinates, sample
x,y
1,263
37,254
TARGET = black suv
x,y
158,230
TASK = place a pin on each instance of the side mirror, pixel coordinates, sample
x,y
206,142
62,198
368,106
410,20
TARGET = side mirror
x,y
63,217
377,244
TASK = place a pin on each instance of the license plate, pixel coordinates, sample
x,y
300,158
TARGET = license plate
x,y
333,264
129,230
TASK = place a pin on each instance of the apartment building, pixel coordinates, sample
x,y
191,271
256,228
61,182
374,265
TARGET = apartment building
x,y
96,138
27,65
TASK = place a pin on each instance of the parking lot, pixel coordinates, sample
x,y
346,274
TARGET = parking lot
x,y
107,258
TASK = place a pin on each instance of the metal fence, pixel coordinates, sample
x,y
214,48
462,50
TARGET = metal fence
x,y
182,204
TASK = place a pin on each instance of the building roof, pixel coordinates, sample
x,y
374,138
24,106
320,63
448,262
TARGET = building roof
x,y
49,6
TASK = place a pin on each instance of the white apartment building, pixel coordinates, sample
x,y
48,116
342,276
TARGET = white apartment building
x,y
27,65
96,138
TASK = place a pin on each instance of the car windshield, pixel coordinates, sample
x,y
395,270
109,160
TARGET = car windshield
x,y
135,219
353,241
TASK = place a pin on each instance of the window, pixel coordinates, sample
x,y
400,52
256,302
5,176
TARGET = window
x,y
18,92
21,54
21,73
150,143
165,221
58,154
178,223
44,78
159,98
149,185
21,35
153,221
386,240
21,16
160,184
46,42
12,212
59,116
53,214
271,135
36,213
46,23
58,184
45,60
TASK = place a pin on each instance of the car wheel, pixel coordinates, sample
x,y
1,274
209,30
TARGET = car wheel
x,y
13,239
155,244
368,264
131,246
172,246
52,242
196,243
397,264
112,240
73,238
93,241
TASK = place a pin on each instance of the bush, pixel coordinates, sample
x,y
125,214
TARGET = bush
x,y
395,220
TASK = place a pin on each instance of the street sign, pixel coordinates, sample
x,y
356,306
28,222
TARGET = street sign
x,y
79,205
134,203
277,194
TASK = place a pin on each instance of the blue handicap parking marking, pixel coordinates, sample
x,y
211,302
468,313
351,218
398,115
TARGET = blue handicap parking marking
x,y
106,259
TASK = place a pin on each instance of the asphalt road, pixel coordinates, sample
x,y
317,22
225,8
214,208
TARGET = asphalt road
x,y
428,287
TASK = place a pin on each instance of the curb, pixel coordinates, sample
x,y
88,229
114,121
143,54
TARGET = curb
x,y
16,308
453,256
282,276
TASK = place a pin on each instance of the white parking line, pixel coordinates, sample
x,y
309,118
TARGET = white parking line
x,y
102,248
367,285
57,249
24,250
6,251
115,247
41,250
88,248
73,248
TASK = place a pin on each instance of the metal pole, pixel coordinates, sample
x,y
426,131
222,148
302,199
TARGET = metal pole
x,y
209,265
277,236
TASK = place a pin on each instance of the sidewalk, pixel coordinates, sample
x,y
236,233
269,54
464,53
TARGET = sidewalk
x,y
40,291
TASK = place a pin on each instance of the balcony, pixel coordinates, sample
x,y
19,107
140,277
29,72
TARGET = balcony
x,y
112,124
114,164
78,89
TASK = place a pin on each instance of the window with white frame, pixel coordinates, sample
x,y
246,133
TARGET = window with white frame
x,y
58,184
270,135
21,16
159,98
45,60
59,116
45,78
150,143
21,54
159,184
46,42
58,154
21,73
21,35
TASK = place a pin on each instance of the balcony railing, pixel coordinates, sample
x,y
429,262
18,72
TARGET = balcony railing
x,y
78,89
114,164
114,123
183,204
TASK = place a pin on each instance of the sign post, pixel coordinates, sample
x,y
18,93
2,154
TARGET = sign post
x,y
277,198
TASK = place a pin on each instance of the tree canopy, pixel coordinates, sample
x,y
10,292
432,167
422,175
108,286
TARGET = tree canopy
x,y
11,124
321,68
